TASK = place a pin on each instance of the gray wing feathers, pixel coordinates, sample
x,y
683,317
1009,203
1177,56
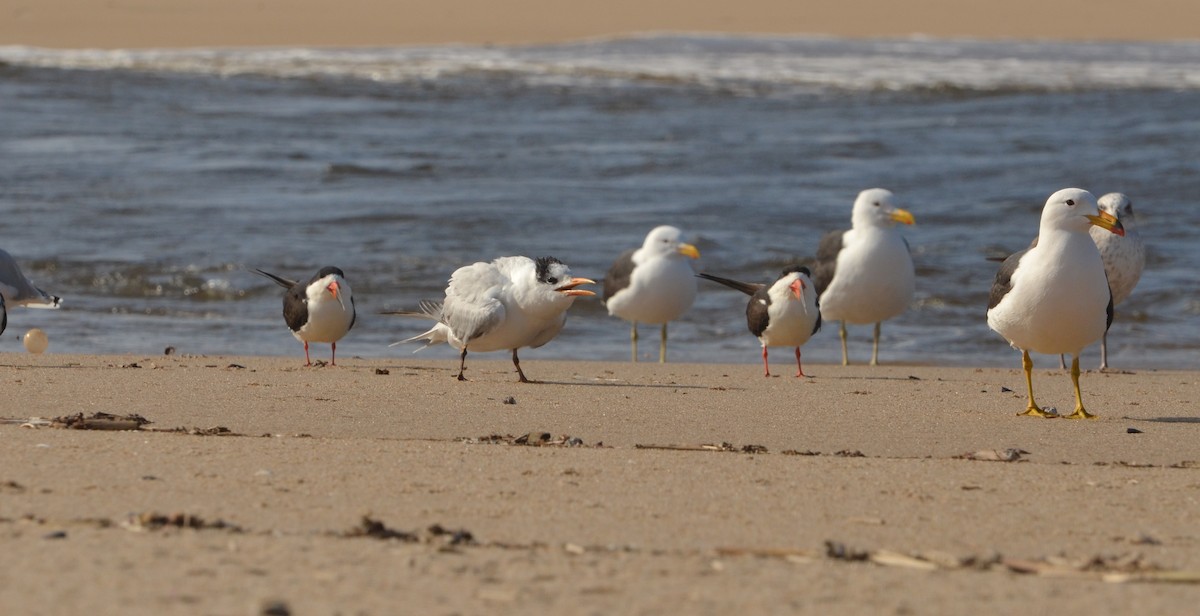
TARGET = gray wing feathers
x,y
827,254
1003,282
470,320
619,274
472,306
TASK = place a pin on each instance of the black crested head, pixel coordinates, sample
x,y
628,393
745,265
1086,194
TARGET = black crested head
x,y
543,269
796,269
329,269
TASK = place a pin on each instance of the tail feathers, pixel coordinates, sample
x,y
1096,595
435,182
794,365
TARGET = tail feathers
x,y
429,310
279,280
435,335
744,287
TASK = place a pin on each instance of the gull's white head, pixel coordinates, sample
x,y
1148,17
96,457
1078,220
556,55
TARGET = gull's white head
x,y
1076,210
877,207
667,241
1121,207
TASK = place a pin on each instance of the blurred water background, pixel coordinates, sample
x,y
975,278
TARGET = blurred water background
x,y
141,186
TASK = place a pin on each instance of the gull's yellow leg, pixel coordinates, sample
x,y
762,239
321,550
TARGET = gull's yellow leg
x,y
633,341
662,346
875,347
1033,408
1079,412
842,334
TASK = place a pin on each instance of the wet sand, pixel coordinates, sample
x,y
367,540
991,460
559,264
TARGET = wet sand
x,y
207,23
632,506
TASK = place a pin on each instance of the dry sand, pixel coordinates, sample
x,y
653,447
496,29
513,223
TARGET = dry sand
x,y
190,23
865,458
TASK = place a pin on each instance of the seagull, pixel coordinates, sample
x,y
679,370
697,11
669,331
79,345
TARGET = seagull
x,y
510,303
17,290
1124,256
865,275
785,313
317,311
1053,296
652,284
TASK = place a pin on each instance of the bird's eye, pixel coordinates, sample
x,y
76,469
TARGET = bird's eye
x,y
1071,202
876,204
552,280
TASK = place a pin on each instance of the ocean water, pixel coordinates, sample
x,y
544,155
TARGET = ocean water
x,y
141,186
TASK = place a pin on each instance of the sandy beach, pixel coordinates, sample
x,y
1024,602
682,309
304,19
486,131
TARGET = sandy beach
x,y
385,486
205,23
656,489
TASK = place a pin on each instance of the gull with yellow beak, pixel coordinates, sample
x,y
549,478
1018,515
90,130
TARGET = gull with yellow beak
x,y
865,275
506,304
652,284
317,311
1053,297
784,313
1124,255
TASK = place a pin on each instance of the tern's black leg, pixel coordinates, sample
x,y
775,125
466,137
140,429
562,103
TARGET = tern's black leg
x,y
462,364
517,362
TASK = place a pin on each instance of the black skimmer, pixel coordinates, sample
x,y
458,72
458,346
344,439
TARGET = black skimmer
x,y
320,310
1053,297
865,275
653,284
785,313
507,304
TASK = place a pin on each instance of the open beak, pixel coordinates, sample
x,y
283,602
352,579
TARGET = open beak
x,y
902,216
569,289
688,250
334,289
797,288
1107,222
